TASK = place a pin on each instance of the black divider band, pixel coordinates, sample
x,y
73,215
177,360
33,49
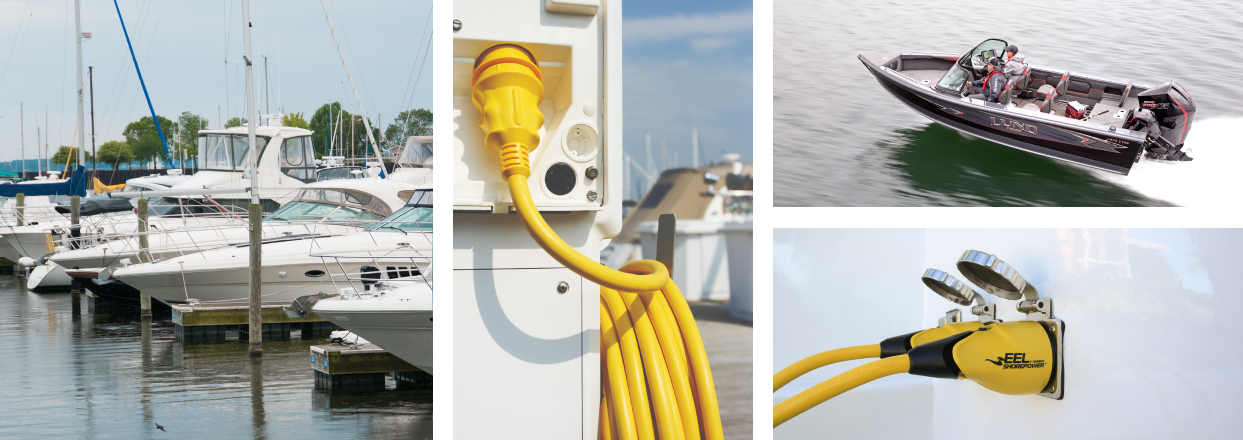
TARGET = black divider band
x,y
896,345
936,358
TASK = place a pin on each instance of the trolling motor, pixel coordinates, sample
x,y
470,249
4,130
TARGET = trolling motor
x,y
1165,114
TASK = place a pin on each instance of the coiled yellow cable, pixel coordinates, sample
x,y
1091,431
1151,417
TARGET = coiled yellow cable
x,y
830,357
839,384
655,367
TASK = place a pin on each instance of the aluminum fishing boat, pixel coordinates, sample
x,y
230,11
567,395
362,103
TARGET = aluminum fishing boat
x,y
1124,121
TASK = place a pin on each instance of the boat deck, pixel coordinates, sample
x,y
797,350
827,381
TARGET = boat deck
x,y
729,345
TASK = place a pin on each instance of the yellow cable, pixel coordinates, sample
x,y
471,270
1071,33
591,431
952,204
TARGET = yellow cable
x,y
570,258
844,382
830,357
622,427
656,377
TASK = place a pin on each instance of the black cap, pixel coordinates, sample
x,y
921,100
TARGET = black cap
x,y
1012,49
996,62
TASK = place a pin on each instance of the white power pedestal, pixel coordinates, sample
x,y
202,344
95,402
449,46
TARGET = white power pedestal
x,y
526,329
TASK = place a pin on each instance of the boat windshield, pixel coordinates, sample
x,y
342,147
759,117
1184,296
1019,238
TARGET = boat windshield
x,y
407,219
416,152
980,55
954,79
227,152
332,204
302,211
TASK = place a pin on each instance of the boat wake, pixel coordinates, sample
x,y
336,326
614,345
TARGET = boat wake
x,y
1196,183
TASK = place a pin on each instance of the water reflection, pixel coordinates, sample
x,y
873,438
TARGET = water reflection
x,y
107,373
944,167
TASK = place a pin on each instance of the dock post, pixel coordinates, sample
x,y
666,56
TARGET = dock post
x,y
75,232
256,279
144,301
666,234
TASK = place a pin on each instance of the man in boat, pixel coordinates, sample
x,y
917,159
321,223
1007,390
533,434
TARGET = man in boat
x,y
993,84
1016,64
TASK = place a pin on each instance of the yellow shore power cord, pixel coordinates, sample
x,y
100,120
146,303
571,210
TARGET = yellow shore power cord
x,y
655,374
889,347
1014,358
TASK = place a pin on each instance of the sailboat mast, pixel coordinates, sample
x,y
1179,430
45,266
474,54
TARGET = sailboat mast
x,y
77,25
94,153
361,111
23,110
267,90
250,107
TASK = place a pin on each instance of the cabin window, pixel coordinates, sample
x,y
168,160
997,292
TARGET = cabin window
x,y
296,160
226,152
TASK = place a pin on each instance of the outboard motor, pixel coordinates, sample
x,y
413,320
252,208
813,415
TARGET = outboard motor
x,y
1173,110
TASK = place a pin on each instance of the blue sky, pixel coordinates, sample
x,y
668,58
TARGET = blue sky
x,y
688,65
181,47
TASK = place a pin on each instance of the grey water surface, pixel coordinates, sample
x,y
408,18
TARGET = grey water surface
x,y
841,140
71,373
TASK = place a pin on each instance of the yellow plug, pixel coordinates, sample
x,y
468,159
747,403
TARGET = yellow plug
x,y
506,88
1014,358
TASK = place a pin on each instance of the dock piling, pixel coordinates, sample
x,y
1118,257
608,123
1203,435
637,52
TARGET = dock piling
x,y
144,301
256,280
75,228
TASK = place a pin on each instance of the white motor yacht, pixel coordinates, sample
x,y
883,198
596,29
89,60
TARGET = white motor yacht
x,y
398,320
414,165
334,207
291,267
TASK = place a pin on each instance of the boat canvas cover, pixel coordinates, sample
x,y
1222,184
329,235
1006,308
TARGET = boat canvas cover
x,y
96,207
75,186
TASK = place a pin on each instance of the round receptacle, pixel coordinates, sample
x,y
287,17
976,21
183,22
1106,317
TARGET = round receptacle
x,y
948,287
581,143
560,179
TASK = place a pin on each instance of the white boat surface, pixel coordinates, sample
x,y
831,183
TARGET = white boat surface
x,y
291,268
398,320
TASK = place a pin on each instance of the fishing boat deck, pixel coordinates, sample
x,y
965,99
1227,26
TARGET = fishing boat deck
x,y
729,345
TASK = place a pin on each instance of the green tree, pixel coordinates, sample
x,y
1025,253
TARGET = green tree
x,y
144,139
114,153
63,152
235,121
417,122
295,120
321,122
188,126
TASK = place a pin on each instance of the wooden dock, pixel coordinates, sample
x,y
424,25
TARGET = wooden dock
x,y
230,323
341,368
729,345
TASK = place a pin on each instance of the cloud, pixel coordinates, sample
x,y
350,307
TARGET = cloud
x,y
703,45
693,28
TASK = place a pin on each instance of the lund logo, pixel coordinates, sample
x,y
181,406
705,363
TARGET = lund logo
x,y
1013,125
1015,360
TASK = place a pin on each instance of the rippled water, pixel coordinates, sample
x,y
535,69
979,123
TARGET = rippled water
x,y
69,373
841,140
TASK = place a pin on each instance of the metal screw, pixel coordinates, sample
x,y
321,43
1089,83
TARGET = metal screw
x,y
457,25
563,287
591,196
592,173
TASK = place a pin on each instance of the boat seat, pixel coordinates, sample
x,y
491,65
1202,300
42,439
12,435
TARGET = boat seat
x,y
1007,93
1044,98
1062,83
1037,79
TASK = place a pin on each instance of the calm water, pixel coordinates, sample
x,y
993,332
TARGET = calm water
x,y
841,140
78,375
